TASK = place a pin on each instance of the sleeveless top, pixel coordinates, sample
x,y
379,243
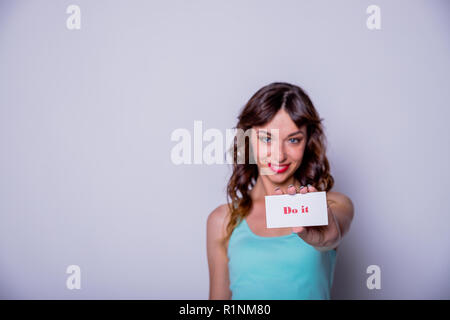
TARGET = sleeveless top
x,y
277,268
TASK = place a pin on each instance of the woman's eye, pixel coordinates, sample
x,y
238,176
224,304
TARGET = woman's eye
x,y
265,139
296,140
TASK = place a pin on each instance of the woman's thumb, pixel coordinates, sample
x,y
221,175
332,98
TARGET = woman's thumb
x,y
300,230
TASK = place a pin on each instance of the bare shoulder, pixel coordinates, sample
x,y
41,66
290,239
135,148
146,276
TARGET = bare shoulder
x,y
218,220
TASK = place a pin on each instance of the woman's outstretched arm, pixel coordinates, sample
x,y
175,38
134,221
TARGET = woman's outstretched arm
x,y
340,216
343,210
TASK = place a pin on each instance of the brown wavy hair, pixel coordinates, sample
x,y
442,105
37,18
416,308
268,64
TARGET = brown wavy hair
x,y
258,111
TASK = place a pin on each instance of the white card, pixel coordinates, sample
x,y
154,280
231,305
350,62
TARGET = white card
x,y
299,210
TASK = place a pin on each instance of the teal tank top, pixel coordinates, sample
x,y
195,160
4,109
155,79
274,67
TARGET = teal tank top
x,y
277,268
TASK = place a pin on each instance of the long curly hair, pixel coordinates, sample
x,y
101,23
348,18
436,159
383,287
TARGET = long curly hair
x,y
258,111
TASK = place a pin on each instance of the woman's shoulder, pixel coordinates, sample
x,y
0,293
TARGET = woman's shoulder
x,y
218,218
220,212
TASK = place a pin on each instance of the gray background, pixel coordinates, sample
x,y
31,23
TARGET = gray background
x,y
86,117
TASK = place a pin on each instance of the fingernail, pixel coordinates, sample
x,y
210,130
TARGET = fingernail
x,y
291,185
302,187
277,188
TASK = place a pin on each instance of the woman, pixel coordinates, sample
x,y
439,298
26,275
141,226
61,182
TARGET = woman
x,y
246,260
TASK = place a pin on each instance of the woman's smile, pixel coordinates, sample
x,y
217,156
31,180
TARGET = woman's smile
x,y
278,168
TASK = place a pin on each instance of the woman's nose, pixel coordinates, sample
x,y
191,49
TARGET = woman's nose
x,y
278,153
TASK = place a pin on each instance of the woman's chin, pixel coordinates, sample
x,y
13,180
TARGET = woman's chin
x,y
279,178
276,177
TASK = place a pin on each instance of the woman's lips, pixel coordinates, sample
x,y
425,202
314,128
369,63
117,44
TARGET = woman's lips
x,y
278,169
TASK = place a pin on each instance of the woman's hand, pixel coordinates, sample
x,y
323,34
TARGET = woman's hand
x,y
323,238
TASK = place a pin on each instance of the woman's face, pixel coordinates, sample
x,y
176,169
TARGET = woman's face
x,y
279,153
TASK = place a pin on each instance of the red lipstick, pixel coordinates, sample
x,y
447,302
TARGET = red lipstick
x,y
278,169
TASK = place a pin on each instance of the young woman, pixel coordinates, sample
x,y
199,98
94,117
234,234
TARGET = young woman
x,y
246,260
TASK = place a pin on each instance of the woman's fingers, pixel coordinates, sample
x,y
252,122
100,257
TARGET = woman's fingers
x,y
278,191
291,189
299,230
307,188
311,235
303,190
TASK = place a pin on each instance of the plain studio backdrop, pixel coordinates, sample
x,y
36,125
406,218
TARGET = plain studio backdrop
x,y
86,117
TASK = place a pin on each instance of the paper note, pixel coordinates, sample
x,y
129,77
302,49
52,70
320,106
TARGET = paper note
x,y
309,209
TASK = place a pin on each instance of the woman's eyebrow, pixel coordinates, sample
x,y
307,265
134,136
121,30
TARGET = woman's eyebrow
x,y
290,135
263,131
296,132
